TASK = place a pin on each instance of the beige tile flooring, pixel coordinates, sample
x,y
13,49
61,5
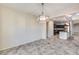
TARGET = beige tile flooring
x,y
52,46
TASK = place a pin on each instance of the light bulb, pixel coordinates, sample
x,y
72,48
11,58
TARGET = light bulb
x,y
42,18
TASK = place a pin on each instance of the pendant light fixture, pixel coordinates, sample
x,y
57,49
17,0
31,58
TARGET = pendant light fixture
x,y
42,16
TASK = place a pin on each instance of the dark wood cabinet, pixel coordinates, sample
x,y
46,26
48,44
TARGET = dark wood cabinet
x,y
58,28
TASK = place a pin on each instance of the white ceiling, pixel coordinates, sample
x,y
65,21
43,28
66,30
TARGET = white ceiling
x,y
51,9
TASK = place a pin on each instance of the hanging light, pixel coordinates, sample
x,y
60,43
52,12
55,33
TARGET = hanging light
x,y
42,16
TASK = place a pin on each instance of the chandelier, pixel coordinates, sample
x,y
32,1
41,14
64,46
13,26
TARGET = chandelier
x,y
42,16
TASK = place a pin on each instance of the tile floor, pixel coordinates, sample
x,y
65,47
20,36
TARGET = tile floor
x,y
52,46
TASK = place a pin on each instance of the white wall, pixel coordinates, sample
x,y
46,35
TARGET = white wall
x,y
0,30
47,29
76,28
17,28
50,29
43,23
